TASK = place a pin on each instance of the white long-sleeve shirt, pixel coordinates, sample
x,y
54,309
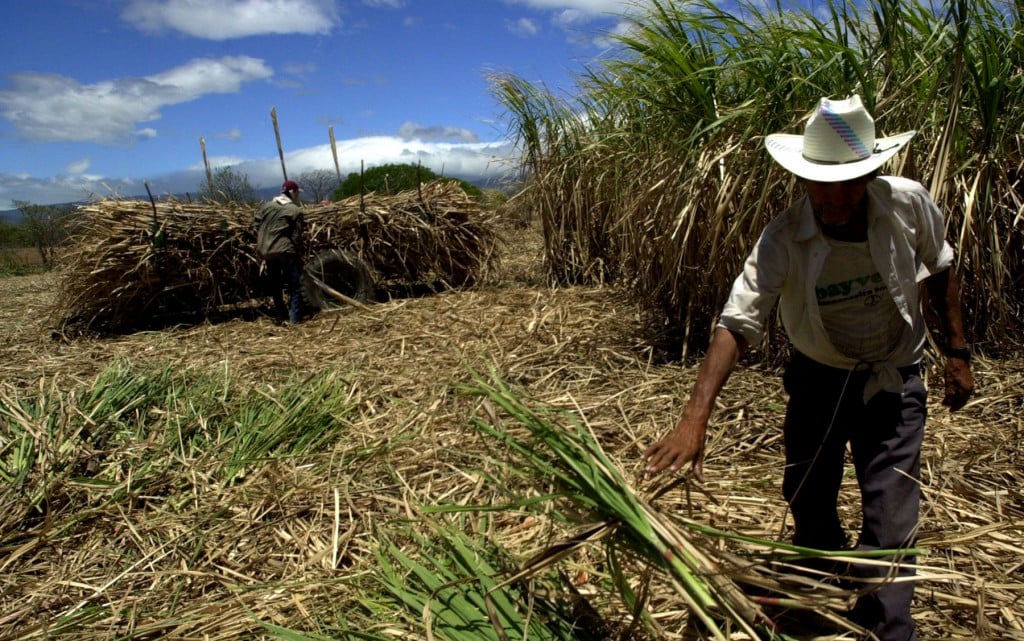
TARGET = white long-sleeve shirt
x,y
906,237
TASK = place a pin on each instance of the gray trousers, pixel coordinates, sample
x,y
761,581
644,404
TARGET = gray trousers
x,y
825,412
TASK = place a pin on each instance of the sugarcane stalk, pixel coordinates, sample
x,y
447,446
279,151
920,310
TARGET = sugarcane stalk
x,y
336,294
206,163
334,152
277,135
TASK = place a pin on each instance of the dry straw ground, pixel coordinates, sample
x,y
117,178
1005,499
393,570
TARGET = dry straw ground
x,y
576,348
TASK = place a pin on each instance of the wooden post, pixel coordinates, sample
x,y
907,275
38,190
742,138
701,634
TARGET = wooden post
x,y
152,202
277,134
334,151
364,229
157,236
419,181
362,186
206,163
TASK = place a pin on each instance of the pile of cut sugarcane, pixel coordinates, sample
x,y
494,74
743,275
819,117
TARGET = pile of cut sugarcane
x,y
139,265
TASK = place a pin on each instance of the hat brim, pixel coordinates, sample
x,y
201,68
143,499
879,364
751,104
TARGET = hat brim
x,y
788,151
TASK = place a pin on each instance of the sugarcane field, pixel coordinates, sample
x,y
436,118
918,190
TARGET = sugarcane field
x,y
339,478
450,443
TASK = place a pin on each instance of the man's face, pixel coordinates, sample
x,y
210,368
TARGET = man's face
x,y
838,204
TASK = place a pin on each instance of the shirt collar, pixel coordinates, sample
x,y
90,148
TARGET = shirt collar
x,y
807,227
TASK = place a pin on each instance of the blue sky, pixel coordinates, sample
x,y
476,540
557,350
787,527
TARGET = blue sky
x,y
97,96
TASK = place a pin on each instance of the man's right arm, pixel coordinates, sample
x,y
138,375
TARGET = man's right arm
x,y
685,443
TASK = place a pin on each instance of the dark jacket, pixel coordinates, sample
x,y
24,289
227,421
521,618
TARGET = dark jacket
x,y
279,226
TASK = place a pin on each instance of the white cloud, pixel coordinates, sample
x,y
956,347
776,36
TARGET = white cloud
x,y
570,18
227,19
464,160
523,27
220,161
590,7
206,75
234,134
436,133
621,28
79,166
60,189
471,161
49,107
574,17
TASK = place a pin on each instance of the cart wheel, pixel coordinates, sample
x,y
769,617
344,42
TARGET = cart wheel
x,y
341,271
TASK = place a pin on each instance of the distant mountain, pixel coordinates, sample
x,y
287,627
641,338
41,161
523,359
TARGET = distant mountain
x,y
11,216
14,216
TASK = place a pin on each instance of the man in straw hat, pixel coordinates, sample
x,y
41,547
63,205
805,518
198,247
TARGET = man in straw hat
x,y
844,262
279,242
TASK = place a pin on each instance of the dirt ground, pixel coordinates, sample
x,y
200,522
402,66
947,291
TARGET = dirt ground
x,y
27,256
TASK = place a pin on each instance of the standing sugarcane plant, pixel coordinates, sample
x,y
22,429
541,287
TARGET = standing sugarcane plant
x,y
654,175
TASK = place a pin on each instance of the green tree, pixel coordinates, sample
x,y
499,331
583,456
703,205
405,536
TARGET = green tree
x,y
12,235
392,178
46,227
228,185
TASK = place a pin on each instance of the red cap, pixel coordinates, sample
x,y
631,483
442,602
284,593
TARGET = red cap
x,y
290,185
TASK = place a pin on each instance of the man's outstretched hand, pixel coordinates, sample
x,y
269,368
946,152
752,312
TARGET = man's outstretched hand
x,y
959,383
684,444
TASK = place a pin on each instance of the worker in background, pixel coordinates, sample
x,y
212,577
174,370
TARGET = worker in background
x,y
280,243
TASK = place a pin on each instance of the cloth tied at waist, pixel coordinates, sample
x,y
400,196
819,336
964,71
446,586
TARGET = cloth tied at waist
x,y
884,377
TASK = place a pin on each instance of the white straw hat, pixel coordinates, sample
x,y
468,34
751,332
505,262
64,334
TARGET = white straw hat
x,y
838,143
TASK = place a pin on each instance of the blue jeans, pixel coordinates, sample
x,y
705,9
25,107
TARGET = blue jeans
x,y
283,273
825,412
